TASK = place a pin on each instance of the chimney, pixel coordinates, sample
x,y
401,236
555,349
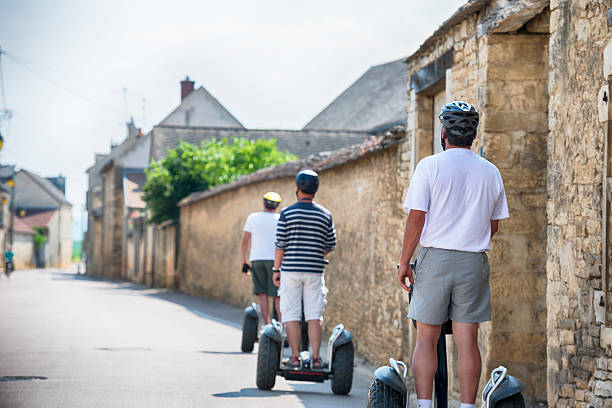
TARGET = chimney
x,y
186,87
132,131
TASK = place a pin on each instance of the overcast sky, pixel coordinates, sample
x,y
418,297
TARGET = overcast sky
x,y
272,64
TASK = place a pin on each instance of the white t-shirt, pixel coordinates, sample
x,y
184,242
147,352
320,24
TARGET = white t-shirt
x,y
262,226
461,193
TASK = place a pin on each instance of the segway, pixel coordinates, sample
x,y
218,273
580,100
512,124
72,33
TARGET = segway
x,y
339,367
389,388
251,328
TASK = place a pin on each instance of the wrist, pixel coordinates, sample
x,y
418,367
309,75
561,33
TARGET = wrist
x,y
276,270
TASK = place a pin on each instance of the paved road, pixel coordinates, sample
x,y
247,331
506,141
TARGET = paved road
x,y
116,344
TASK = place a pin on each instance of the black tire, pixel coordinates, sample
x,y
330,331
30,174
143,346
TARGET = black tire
x,y
304,340
249,333
514,401
342,368
383,396
268,360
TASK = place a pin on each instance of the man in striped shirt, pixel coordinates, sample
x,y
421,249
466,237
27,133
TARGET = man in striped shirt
x,y
304,235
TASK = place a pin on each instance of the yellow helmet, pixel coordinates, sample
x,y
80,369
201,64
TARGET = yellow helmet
x,y
272,200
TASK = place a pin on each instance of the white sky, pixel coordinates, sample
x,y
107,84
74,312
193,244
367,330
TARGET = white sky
x,y
273,64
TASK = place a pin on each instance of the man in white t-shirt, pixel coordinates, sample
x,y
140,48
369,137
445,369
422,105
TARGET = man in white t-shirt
x,y
260,233
454,203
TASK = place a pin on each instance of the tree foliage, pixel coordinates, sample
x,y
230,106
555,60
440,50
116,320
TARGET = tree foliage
x,y
187,169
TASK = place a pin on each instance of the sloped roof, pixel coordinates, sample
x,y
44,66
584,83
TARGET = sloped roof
x,y
40,219
27,192
132,185
302,143
376,101
21,227
7,172
200,108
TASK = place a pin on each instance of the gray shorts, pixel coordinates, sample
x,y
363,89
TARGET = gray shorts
x,y
451,285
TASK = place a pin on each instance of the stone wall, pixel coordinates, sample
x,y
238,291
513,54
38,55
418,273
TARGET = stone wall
x,y
513,136
579,360
23,247
365,199
163,255
112,222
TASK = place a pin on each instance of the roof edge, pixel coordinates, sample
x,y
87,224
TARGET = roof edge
x,y
471,7
33,177
319,161
311,130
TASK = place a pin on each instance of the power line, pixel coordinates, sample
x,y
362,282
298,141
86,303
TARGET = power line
x,y
59,85
43,68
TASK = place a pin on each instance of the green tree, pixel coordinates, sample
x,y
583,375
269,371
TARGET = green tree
x,y
187,169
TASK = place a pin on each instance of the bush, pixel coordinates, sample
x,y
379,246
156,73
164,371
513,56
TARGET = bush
x,y
187,169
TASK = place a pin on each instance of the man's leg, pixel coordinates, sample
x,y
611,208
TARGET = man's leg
x,y
425,359
314,335
278,312
468,360
263,303
290,303
293,336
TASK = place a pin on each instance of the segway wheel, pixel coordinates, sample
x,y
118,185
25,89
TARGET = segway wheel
x,y
342,368
249,333
268,360
383,396
514,401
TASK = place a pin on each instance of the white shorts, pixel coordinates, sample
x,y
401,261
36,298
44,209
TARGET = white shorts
x,y
295,286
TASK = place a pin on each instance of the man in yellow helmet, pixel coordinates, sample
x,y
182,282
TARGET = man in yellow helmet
x,y
260,234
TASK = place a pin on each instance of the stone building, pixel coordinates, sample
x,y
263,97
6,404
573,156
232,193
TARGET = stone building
x,y
92,243
41,203
540,73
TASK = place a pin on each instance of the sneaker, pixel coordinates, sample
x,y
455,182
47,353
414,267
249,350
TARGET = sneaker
x,y
318,363
294,362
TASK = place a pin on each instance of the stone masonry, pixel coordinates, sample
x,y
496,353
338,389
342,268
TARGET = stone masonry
x,y
579,353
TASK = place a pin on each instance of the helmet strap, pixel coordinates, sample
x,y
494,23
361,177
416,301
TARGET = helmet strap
x,y
443,138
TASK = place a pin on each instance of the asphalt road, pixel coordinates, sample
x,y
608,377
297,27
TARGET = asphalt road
x,y
96,343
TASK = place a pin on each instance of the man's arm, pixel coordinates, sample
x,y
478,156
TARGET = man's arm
x,y
278,260
412,234
494,227
246,240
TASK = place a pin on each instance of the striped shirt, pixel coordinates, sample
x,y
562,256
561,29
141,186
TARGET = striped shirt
x,y
305,230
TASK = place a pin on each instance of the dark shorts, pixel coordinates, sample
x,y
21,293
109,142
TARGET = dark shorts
x,y
451,285
261,272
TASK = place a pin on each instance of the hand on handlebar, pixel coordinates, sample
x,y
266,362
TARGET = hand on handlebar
x,y
403,272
